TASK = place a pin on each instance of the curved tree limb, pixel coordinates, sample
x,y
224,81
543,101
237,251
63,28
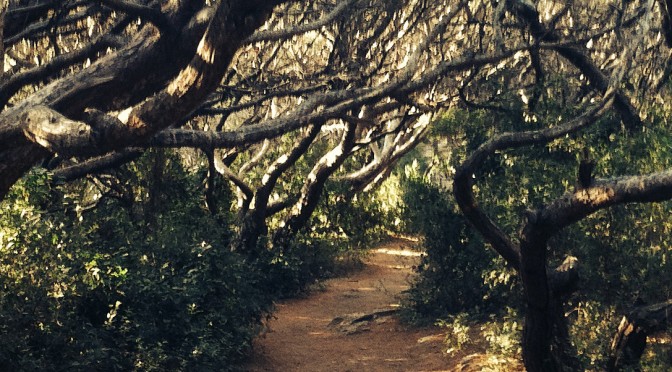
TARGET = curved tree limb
x,y
253,222
10,86
97,164
312,188
4,4
394,147
604,193
273,173
233,21
150,13
463,180
340,10
22,13
36,30
526,12
244,188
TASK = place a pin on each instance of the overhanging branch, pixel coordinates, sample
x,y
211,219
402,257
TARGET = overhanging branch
x,y
463,180
150,13
526,12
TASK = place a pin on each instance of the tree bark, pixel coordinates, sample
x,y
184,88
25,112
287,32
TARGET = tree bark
x,y
546,342
4,4
253,224
128,76
527,13
629,341
312,188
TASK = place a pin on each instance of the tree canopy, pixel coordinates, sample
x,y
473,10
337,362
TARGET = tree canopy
x,y
279,98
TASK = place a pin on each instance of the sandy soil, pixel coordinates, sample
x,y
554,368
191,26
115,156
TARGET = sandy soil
x,y
321,333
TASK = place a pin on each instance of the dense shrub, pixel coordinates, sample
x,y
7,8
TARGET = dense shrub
x,y
457,272
145,286
340,232
358,219
291,269
339,235
623,251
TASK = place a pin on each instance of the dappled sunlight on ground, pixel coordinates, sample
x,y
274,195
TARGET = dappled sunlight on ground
x,y
398,252
351,326
325,331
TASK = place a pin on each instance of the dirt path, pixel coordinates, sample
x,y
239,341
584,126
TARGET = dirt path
x,y
322,333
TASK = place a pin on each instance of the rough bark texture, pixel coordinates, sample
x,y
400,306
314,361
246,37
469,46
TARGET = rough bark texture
x,y
253,225
629,341
526,12
312,188
666,8
546,344
194,55
124,78
4,4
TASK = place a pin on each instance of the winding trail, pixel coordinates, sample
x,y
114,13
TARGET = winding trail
x,y
326,330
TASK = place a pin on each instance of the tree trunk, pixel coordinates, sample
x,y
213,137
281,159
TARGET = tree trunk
x,y
252,227
629,341
546,344
161,94
313,187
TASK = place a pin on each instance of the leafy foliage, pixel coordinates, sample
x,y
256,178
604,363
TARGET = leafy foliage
x,y
147,286
340,232
623,250
361,219
456,273
291,269
446,261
